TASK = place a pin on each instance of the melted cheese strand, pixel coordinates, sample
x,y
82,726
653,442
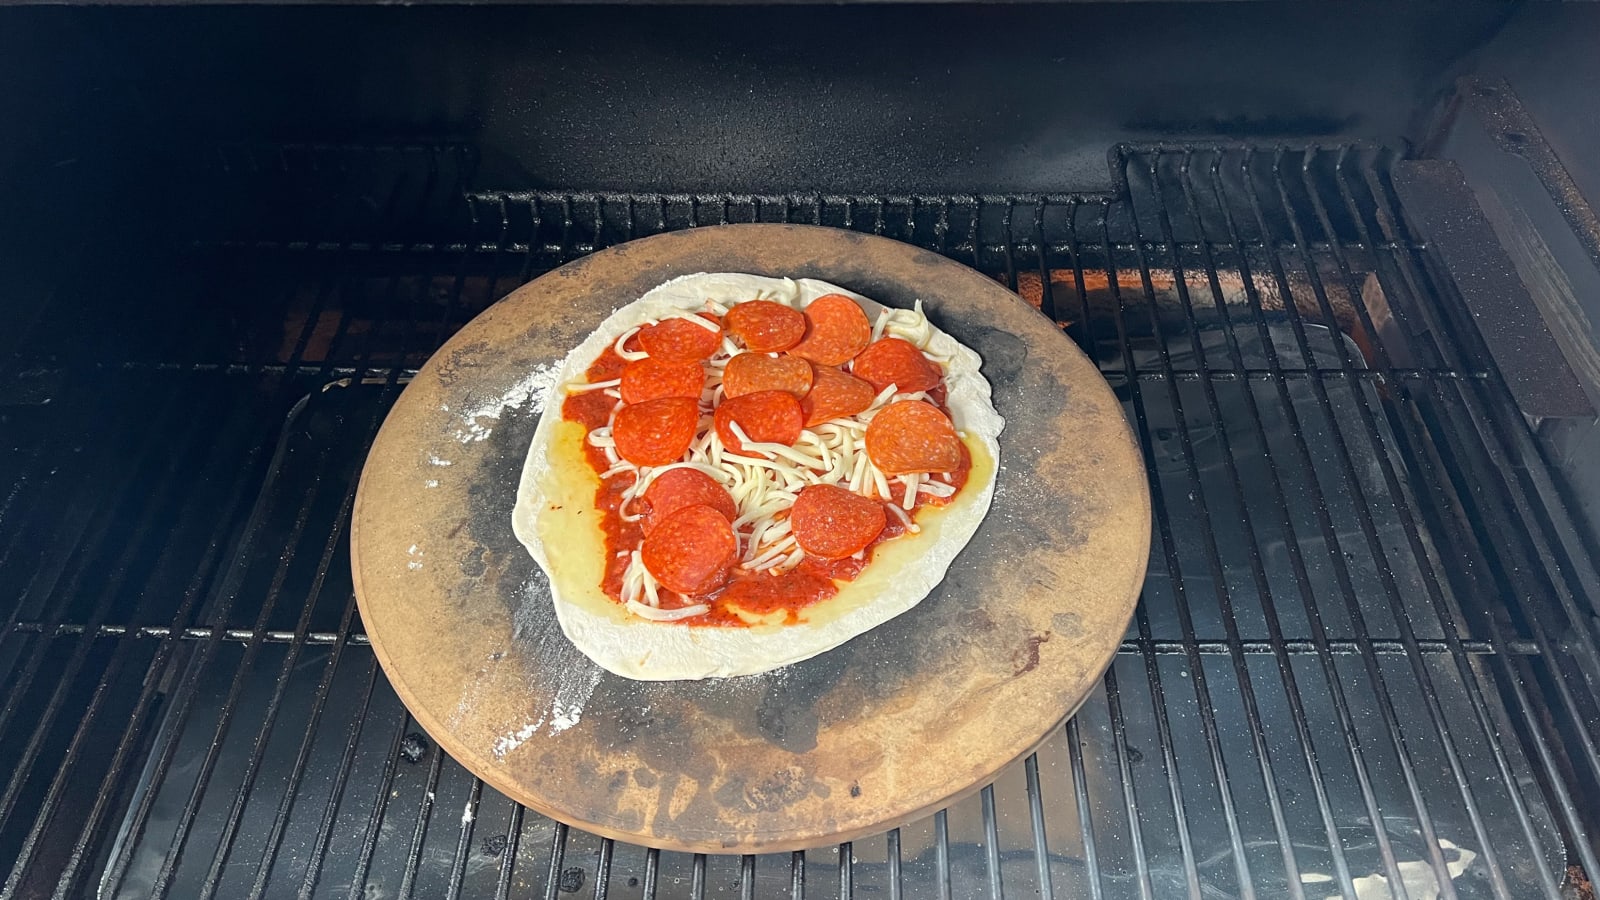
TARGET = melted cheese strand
x,y
629,355
858,478
905,518
633,579
883,398
667,615
909,502
774,553
648,476
702,321
757,535
882,323
766,510
788,453
583,388
625,515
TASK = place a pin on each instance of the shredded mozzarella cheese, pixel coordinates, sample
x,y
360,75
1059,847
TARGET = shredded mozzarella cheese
x,y
702,321
905,519
582,388
629,355
909,502
765,478
667,615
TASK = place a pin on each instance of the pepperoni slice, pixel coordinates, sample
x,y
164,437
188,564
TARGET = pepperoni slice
x,y
766,416
655,432
673,490
836,330
766,327
651,379
748,373
691,550
833,523
834,395
680,339
897,362
913,436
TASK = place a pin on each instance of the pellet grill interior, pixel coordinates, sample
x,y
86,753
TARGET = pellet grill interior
x,y
1363,663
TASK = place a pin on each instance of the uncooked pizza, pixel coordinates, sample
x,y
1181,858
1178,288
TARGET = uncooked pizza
x,y
734,473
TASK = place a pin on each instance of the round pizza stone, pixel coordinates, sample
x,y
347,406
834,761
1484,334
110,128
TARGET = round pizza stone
x,y
886,728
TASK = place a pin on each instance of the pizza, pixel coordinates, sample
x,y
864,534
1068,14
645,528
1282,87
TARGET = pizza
x,y
734,473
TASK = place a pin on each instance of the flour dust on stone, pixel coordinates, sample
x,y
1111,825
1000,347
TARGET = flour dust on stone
x,y
477,422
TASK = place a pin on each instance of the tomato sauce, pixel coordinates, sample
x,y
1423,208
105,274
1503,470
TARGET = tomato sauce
x,y
759,593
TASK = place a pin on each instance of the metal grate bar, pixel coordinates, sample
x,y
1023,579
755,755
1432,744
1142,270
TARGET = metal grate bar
x,y
1041,843
1431,582
1321,642
1119,747
1258,573
1368,528
1418,670
896,877
1538,536
1189,640
1080,785
508,858
176,469
1463,668
1219,578
847,882
1316,742
1158,646
118,869
1202,694
941,843
1533,717
991,846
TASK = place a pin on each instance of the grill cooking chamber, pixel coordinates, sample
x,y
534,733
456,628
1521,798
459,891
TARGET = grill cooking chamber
x,y
1335,261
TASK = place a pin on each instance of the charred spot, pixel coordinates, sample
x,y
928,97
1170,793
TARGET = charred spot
x,y
778,790
413,748
1026,659
572,880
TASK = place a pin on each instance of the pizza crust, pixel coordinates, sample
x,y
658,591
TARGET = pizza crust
x,y
555,517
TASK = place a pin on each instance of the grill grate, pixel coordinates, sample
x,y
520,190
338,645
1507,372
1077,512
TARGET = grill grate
x,y
1364,655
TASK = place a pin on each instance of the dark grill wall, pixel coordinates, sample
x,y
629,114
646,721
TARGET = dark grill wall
x,y
952,99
